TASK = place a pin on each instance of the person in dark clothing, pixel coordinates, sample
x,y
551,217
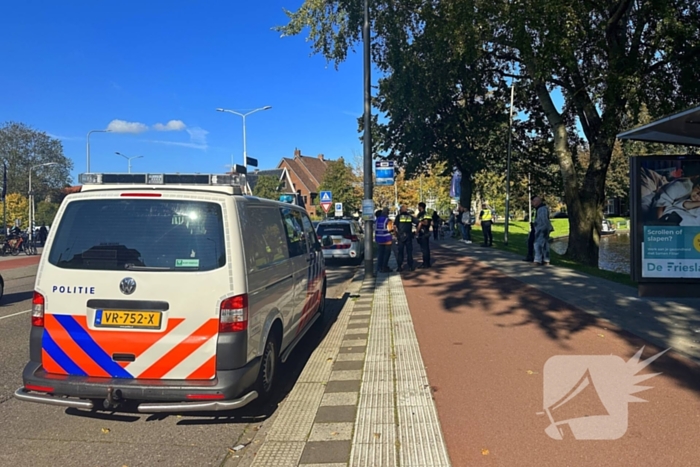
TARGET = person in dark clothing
x,y
423,231
403,225
531,244
436,225
43,233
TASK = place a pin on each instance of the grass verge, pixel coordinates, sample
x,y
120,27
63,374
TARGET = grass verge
x,y
517,243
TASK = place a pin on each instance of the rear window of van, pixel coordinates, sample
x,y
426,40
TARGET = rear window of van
x,y
333,229
140,234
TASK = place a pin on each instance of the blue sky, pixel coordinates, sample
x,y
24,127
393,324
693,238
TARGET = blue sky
x,y
74,66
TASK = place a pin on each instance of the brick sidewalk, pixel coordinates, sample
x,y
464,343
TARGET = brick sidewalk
x,y
363,398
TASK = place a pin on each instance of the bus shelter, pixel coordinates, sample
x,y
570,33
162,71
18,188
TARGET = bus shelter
x,y
665,209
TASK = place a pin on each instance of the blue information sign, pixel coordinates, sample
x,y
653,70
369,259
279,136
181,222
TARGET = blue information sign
x,y
385,173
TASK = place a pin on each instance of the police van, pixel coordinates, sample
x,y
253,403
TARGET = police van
x,y
170,292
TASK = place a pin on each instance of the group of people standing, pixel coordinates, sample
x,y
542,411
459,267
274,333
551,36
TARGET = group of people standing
x,y
401,231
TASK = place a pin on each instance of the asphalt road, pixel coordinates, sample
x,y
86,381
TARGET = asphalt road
x,y
42,435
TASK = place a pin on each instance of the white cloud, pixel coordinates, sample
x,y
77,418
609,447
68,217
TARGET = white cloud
x,y
203,147
121,126
172,125
66,138
198,135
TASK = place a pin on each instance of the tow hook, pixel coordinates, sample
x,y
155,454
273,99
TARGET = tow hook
x,y
113,398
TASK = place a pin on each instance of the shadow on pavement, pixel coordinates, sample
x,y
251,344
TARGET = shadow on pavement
x,y
458,279
253,413
16,297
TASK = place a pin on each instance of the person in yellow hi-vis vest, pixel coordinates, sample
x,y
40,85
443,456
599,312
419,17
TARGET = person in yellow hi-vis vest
x,y
403,225
486,221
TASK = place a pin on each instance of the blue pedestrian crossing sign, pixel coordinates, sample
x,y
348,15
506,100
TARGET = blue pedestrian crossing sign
x,y
326,197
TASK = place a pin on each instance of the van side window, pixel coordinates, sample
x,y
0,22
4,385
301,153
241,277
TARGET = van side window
x,y
296,237
263,237
310,233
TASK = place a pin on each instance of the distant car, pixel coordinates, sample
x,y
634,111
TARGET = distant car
x,y
341,239
315,224
560,215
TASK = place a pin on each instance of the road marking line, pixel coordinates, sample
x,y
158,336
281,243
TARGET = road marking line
x,y
15,314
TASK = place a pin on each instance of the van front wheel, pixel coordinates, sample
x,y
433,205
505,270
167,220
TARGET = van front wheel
x,y
269,366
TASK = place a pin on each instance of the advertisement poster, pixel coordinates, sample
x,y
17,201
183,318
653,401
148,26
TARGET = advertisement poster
x,y
670,217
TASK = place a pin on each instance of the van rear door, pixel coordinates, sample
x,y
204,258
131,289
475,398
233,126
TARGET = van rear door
x,y
132,287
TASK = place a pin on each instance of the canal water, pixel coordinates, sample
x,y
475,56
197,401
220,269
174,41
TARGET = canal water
x,y
614,251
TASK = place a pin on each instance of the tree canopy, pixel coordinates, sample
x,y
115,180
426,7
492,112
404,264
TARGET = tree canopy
x,y
340,180
22,147
446,66
267,186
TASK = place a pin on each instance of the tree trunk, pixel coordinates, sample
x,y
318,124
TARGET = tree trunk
x,y
466,187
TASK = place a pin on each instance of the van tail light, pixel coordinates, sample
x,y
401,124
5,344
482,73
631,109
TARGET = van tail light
x,y
233,314
34,387
38,310
204,397
352,238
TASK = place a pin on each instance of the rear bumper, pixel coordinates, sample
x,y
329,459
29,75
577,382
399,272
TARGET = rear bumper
x,y
231,389
349,253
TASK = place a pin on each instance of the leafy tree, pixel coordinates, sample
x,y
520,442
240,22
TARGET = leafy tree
x,y
267,186
45,213
22,147
606,59
17,208
340,180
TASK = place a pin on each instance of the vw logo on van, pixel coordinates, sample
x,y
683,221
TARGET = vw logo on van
x,y
127,286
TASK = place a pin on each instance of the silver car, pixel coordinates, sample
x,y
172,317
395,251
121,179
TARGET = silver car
x,y
341,239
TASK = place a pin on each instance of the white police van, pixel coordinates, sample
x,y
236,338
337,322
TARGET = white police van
x,y
174,292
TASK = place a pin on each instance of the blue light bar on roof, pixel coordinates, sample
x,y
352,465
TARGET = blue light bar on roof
x,y
235,180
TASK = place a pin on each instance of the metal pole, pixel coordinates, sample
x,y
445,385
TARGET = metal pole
x,y
31,195
367,142
510,139
529,197
87,164
245,152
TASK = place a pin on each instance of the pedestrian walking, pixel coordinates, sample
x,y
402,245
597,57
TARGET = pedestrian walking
x,y
423,232
463,220
43,233
543,228
531,244
403,226
382,235
486,221
436,225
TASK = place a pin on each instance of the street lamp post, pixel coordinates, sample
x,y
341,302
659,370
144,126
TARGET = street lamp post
x,y
367,139
87,166
245,153
510,139
31,198
128,159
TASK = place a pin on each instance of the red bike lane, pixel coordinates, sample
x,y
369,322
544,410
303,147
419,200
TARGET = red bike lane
x,y
19,262
485,339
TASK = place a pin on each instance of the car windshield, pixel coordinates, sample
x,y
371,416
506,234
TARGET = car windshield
x,y
139,234
333,229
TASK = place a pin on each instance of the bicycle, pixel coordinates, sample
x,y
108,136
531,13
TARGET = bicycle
x,y
30,248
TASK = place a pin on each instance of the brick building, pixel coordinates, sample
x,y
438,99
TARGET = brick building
x,y
306,174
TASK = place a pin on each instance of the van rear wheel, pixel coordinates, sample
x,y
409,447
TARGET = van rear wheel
x,y
269,367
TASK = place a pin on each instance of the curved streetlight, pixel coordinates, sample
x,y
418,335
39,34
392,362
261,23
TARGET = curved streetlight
x,y
87,166
245,154
128,159
31,198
